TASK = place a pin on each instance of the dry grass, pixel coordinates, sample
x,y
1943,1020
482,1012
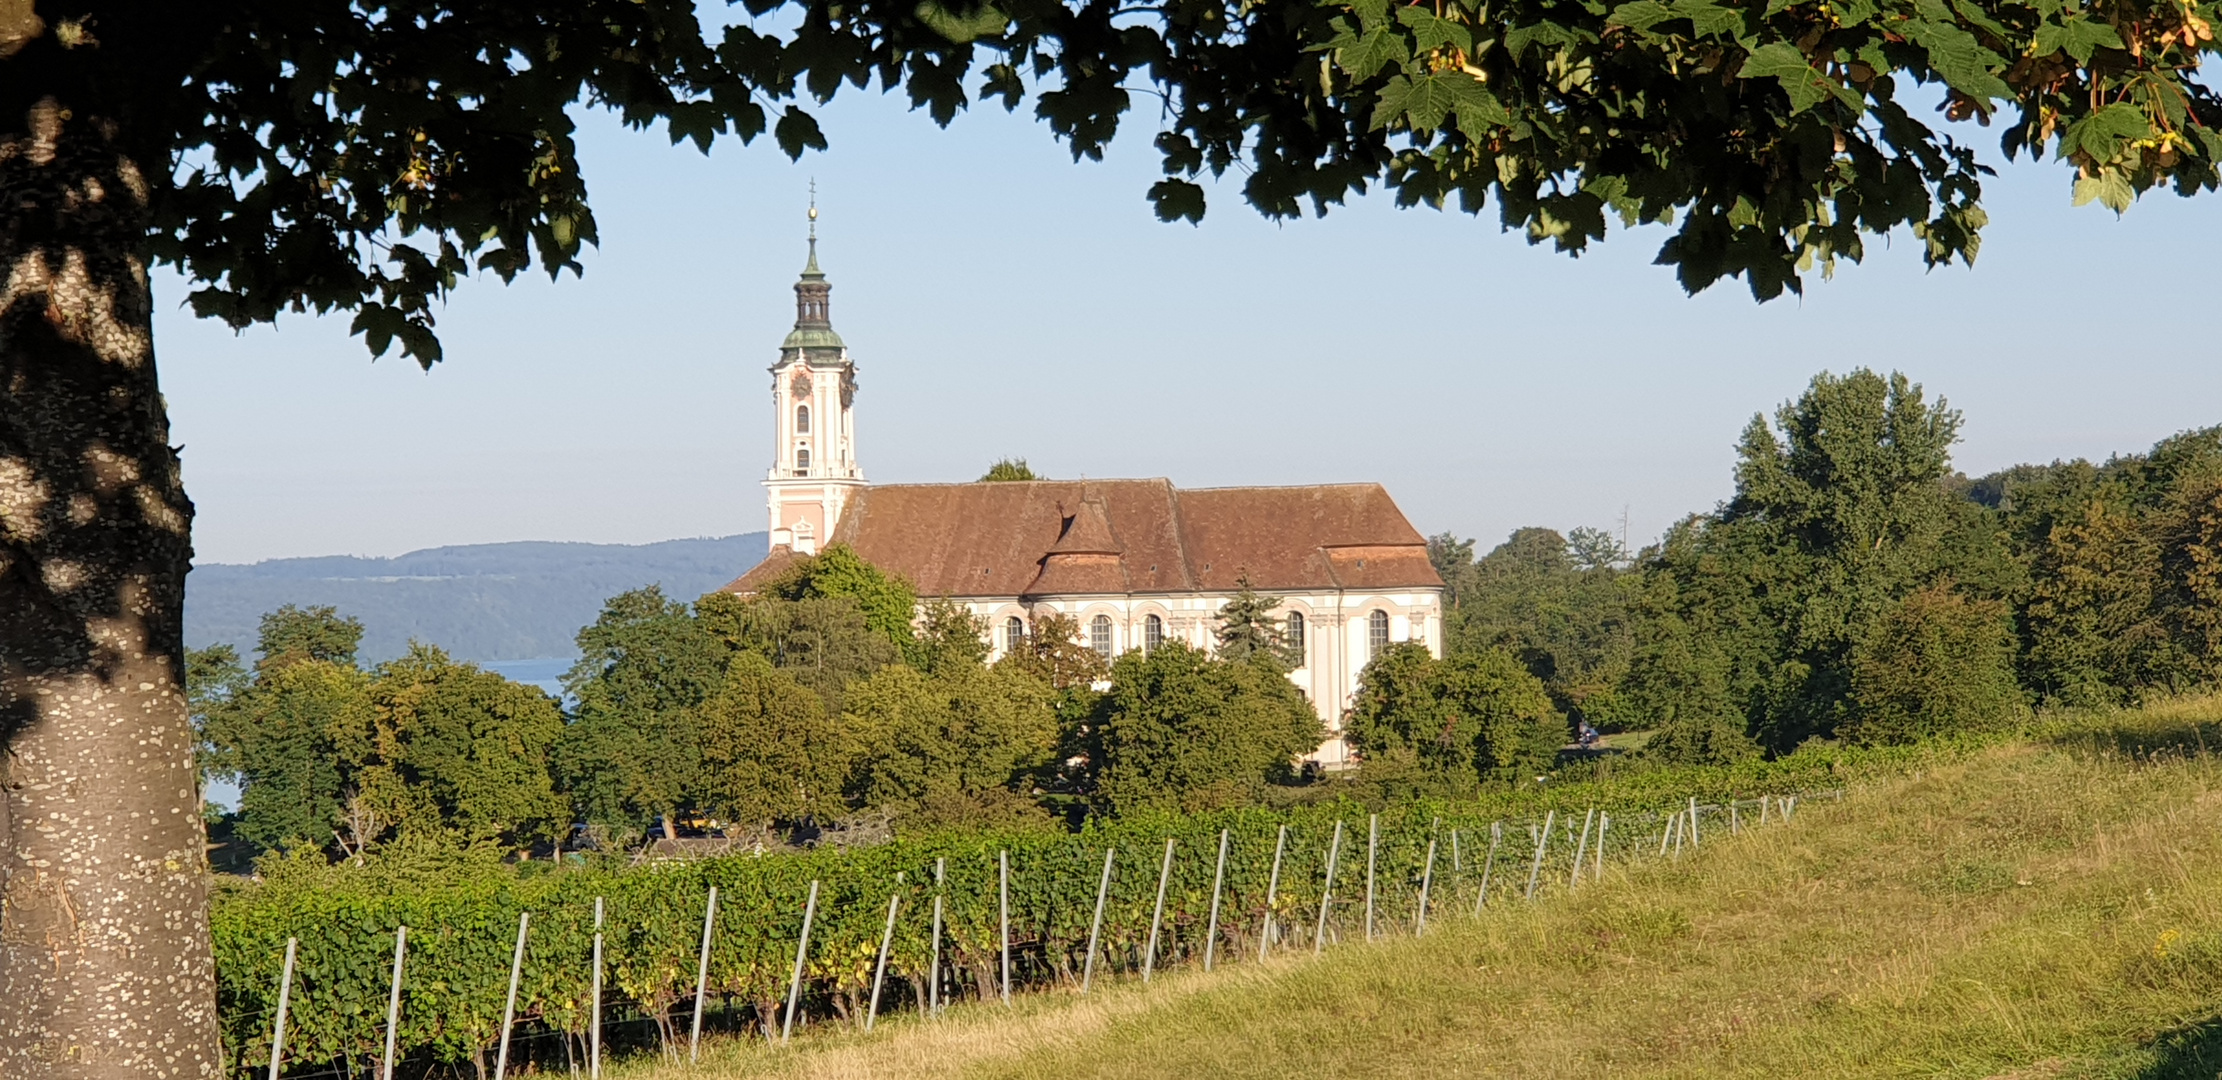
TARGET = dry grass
x,y
2048,909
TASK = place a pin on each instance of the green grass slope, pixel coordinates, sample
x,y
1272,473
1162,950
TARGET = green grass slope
x,y
2049,908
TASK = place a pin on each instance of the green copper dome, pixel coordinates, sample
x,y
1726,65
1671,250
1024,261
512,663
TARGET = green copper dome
x,y
813,304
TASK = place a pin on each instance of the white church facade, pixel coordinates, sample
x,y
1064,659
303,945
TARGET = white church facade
x,y
1133,563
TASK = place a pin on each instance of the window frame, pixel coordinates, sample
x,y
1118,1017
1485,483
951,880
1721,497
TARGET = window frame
x,y
1100,636
1377,633
1153,633
802,419
1293,630
1014,634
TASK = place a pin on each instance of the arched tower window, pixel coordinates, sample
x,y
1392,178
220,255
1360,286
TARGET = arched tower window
x,y
1296,635
1153,633
802,419
1014,634
1377,633
1099,635
802,459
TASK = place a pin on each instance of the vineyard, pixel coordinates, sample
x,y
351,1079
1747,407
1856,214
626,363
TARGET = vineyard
x,y
455,982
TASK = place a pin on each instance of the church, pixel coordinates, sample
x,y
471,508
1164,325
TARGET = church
x,y
1134,563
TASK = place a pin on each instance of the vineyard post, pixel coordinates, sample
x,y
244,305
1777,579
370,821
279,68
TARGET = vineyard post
x,y
879,971
1157,914
1095,927
1582,848
1457,866
594,1028
1535,870
1604,823
1327,891
1003,910
1789,807
1373,845
509,1006
1694,835
1735,824
1218,876
702,976
1763,801
1496,836
285,997
393,1001
1666,835
802,950
1272,889
1427,879
933,972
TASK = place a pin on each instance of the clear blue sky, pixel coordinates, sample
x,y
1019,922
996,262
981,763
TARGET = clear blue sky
x,y
1001,300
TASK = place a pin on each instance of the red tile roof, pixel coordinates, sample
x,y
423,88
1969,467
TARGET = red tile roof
x,y
1065,537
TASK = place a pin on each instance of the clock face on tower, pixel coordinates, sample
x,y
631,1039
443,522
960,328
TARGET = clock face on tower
x,y
802,384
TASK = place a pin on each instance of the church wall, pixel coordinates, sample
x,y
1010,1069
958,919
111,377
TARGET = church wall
x,y
1337,641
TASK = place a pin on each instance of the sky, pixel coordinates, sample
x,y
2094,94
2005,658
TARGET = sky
x,y
1000,300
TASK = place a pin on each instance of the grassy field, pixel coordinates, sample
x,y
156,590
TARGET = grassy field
x,y
2050,908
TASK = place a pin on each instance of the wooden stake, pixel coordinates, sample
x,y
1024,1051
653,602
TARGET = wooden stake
x,y
933,974
1535,869
1496,836
1218,876
1604,822
702,976
1272,891
1373,844
1694,834
879,971
1157,915
1095,927
1581,849
1666,835
1427,880
802,949
594,1032
1327,891
1003,907
1735,823
285,998
393,1002
509,1008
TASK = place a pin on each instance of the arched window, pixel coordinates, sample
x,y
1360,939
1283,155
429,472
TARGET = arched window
x,y
802,419
1099,635
1153,633
802,459
1296,636
1377,633
1014,634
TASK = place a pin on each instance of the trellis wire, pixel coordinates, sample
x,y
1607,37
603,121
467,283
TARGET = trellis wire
x,y
285,997
1218,878
509,1008
702,975
1157,914
1327,892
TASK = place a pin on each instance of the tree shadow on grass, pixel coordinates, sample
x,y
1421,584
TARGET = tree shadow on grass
x,y
2173,737
2191,1052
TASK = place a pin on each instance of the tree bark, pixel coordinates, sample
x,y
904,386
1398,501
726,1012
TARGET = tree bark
x,y
105,968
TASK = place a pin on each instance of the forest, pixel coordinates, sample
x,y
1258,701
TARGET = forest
x,y
1855,590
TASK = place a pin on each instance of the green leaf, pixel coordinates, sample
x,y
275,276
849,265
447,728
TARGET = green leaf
x,y
1366,55
1640,15
2110,188
1710,19
1422,103
961,26
2077,37
1175,200
2100,135
798,131
1431,31
1961,61
1784,62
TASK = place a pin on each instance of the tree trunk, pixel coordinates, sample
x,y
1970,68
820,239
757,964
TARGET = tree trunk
x,y
105,968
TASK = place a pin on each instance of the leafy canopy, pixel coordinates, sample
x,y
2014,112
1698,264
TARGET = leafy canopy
x,y
367,156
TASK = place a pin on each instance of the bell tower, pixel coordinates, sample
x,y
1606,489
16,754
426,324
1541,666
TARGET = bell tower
x,y
814,467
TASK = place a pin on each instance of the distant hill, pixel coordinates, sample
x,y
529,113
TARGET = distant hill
x,y
480,602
